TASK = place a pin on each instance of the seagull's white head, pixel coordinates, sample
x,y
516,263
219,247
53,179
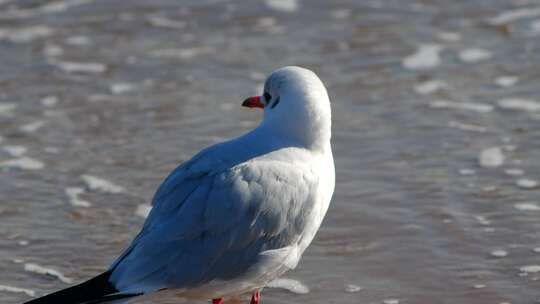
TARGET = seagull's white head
x,y
296,107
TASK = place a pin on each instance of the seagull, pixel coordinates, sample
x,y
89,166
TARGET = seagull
x,y
239,213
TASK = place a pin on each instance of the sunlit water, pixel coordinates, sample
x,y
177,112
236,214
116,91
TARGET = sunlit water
x,y
436,136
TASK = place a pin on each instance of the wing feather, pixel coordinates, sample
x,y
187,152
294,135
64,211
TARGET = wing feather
x,y
216,224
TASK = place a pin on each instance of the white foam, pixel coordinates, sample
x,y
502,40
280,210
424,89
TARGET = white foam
x,y
73,195
80,67
258,88
391,301
449,36
227,106
6,108
14,289
520,104
49,101
351,288
429,87
184,54
530,268
535,26
61,6
514,172
467,127
32,127
78,40
506,81
537,249
25,34
479,286
340,13
23,243
266,22
99,184
427,56
52,50
491,157
288,6
159,21
489,188
24,163
35,268
527,207
468,106
143,210
270,25
257,76
526,183
499,253
121,88
15,151
474,55
482,220
291,285
467,171
509,148
512,15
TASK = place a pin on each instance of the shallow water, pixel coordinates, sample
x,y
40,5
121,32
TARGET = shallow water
x,y
122,92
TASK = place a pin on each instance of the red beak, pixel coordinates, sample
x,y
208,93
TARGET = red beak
x,y
253,102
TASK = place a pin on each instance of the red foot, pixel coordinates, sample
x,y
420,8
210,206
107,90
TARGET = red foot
x,y
218,301
256,297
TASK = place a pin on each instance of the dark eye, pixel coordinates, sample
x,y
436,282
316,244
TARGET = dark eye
x,y
267,97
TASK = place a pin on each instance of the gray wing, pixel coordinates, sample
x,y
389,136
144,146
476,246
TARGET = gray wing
x,y
215,224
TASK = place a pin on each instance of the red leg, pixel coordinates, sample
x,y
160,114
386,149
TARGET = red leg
x,y
218,301
256,297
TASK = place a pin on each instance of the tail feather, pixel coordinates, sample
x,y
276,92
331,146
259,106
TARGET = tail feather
x,y
95,290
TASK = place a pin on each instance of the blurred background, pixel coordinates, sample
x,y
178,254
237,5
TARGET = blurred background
x,y
436,136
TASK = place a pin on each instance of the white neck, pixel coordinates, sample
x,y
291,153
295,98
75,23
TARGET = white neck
x,y
309,127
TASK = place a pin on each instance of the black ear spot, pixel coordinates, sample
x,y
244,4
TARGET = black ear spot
x,y
267,96
275,103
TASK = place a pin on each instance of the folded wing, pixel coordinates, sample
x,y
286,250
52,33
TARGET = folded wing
x,y
216,223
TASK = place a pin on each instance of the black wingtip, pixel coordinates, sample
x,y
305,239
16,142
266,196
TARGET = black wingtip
x,y
95,290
